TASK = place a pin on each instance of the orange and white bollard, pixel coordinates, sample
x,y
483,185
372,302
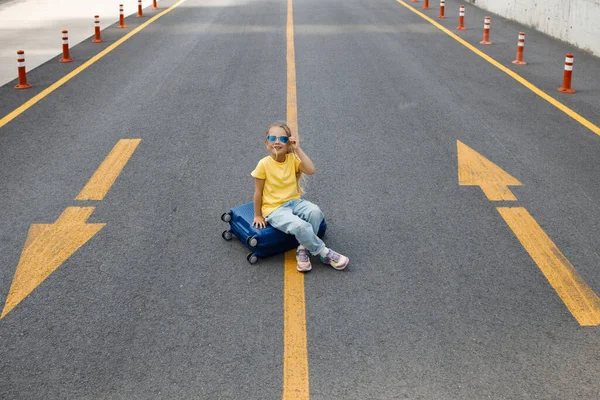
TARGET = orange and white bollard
x,y
140,14
22,72
121,17
566,86
65,46
154,5
442,8
520,49
414,1
97,38
461,19
426,5
486,31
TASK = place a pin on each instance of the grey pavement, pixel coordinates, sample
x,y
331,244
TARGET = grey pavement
x,y
441,300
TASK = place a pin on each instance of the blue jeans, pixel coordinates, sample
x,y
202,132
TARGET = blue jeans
x,y
302,219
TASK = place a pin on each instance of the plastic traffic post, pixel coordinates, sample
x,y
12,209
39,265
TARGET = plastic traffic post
x,y
65,46
520,49
22,72
461,19
97,38
121,17
566,86
140,14
486,31
442,8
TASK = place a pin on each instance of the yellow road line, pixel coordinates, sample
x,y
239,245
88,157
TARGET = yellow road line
x,y
107,173
5,120
517,77
295,353
292,106
579,298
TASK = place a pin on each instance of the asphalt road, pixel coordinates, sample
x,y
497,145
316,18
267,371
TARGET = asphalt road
x,y
441,300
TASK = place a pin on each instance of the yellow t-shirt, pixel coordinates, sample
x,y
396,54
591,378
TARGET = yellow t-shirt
x,y
280,181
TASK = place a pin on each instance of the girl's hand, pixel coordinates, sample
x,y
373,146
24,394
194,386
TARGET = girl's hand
x,y
259,222
295,141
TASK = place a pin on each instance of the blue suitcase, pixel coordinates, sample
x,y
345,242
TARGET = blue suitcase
x,y
261,242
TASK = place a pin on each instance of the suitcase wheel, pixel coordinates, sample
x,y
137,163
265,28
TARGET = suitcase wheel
x,y
226,217
252,241
252,259
227,235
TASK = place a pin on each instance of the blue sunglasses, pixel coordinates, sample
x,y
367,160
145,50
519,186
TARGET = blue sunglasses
x,y
282,139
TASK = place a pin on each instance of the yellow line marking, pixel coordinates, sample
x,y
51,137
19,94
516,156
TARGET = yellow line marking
x,y
476,170
107,173
295,353
579,298
5,120
48,246
292,106
517,77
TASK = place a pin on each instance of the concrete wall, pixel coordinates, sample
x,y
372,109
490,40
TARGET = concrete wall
x,y
574,21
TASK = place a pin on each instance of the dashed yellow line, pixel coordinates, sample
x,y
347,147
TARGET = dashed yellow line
x,y
514,75
31,102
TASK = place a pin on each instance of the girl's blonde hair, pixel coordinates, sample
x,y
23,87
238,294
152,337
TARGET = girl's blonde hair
x,y
300,177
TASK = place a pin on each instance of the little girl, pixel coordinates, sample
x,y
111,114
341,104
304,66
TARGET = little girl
x,y
277,198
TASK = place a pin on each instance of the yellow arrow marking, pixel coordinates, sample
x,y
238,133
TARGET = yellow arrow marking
x,y
476,170
46,248
109,170
581,301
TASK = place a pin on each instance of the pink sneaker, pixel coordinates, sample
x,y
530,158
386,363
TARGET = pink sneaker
x,y
336,260
302,257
